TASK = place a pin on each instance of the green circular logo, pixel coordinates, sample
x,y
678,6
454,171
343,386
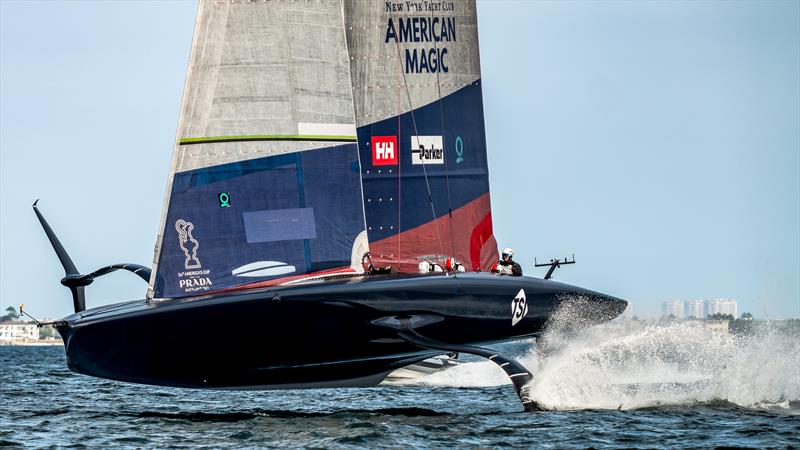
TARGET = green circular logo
x,y
224,200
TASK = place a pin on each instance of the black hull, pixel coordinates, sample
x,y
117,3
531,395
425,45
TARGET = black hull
x,y
328,334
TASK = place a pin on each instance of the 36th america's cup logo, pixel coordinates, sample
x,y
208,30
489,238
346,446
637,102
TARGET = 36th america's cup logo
x,y
188,244
519,307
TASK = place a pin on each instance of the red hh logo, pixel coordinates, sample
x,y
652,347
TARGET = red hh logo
x,y
384,150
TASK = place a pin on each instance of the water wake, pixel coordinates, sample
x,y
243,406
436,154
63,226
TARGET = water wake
x,y
636,364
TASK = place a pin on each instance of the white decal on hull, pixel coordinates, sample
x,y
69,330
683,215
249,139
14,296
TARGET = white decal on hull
x,y
263,269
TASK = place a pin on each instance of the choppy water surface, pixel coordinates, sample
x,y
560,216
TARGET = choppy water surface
x,y
617,385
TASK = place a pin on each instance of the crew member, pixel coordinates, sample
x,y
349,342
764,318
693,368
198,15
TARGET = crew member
x,y
507,265
451,265
430,266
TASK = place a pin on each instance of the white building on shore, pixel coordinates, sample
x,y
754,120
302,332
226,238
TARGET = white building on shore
x,y
672,308
14,331
722,306
718,327
694,308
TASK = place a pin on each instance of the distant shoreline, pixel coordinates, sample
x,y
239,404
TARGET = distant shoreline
x,y
32,343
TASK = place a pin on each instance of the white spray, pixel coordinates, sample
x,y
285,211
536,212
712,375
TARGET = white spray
x,y
636,364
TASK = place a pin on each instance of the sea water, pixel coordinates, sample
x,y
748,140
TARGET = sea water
x,y
620,384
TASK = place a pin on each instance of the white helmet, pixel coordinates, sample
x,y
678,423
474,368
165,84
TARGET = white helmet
x,y
508,252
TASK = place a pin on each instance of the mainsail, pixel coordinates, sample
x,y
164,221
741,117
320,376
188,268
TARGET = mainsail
x,y
265,180
313,132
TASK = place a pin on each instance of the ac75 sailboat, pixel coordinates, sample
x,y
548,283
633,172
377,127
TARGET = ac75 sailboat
x,y
325,151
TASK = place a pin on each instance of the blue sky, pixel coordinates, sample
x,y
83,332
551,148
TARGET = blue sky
x,y
658,141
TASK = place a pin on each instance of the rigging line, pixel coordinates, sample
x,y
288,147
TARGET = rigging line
x,y
416,132
399,164
444,154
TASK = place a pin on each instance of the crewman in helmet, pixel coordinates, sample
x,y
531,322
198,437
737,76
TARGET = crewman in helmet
x,y
450,265
430,266
507,265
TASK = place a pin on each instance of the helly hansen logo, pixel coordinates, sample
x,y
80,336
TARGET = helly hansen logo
x,y
384,150
427,150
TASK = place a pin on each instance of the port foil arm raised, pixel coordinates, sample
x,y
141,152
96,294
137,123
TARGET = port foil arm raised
x,y
74,280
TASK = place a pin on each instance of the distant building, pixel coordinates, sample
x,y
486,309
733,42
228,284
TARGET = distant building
x,y
722,306
672,308
694,308
17,331
720,327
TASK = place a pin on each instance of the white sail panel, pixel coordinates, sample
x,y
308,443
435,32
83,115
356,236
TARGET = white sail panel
x,y
260,68
391,44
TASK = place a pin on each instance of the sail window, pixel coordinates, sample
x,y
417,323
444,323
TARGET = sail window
x,y
279,225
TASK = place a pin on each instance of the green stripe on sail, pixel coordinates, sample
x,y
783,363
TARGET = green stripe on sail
x,y
266,137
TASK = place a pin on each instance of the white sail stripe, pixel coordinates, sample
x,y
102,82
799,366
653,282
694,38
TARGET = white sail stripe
x,y
326,129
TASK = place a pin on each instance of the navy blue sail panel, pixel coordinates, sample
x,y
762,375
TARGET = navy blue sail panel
x,y
262,219
464,143
449,143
